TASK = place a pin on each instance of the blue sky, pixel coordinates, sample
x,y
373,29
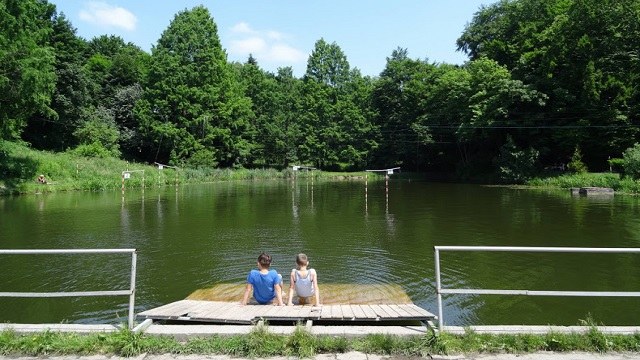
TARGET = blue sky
x,y
283,33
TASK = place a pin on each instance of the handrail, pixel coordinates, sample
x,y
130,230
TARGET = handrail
x,y
440,290
131,292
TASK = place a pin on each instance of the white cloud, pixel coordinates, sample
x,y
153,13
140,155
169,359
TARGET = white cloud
x,y
253,45
275,35
285,53
268,46
242,28
106,15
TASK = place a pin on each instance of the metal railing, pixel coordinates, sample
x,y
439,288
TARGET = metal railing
x,y
131,292
441,291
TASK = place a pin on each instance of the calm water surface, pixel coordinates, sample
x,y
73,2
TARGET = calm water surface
x,y
198,236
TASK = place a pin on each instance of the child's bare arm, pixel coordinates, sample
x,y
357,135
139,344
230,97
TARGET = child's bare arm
x,y
291,288
317,288
247,291
278,288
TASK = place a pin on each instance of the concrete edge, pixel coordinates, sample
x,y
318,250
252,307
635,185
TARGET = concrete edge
x,y
71,328
540,330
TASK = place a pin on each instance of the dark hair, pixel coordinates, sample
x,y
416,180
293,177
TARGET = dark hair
x,y
264,260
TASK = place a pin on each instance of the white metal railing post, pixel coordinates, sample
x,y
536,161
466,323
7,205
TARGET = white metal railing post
x,y
441,291
130,292
132,297
438,288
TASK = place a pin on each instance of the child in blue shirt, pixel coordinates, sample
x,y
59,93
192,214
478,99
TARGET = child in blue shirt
x,y
266,283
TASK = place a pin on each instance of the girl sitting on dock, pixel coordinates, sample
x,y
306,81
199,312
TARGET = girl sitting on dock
x,y
305,283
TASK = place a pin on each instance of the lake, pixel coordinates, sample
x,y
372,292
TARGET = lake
x,y
197,236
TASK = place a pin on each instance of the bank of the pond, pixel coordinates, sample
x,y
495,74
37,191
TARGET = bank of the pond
x,y
614,181
262,343
21,168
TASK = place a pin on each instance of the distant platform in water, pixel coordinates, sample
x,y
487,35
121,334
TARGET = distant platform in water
x,y
340,303
330,294
588,191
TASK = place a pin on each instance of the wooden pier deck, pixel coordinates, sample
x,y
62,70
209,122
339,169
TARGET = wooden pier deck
x,y
235,313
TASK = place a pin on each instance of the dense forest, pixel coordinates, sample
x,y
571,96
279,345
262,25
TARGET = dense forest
x,y
545,81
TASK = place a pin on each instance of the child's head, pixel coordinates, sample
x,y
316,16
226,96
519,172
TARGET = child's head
x,y
302,260
264,260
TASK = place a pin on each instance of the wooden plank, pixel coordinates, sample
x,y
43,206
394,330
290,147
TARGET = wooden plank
x,y
418,311
347,313
380,312
358,313
234,312
412,310
164,309
369,312
391,311
179,308
337,312
402,313
200,309
254,313
219,310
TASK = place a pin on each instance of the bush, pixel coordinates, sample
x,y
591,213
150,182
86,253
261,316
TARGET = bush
x,y
631,161
95,150
576,165
516,166
616,165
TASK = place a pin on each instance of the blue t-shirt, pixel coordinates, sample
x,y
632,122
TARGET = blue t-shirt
x,y
263,285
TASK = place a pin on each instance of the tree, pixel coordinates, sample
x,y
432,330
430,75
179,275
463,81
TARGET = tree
x,y
27,76
398,99
98,134
582,54
193,108
54,131
631,161
336,130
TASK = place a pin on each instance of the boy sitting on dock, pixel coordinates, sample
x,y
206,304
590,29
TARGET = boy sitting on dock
x,y
305,283
266,283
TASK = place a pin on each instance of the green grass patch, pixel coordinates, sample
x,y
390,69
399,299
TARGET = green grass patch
x,y
609,180
20,167
263,343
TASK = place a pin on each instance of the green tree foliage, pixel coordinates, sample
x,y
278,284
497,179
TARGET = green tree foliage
x,y
337,132
193,109
542,76
98,134
276,103
54,131
480,104
514,165
576,165
398,99
582,53
27,76
631,161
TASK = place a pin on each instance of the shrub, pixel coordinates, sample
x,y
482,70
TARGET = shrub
x,y
616,165
631,161
514,165
576,165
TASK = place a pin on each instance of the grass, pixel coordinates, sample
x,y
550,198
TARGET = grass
x,y
609,180
21,165
262,343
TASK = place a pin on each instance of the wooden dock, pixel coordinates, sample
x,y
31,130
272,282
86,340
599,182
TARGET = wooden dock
x,y
235,313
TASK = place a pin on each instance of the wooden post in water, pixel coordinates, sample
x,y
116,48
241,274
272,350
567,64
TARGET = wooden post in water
x,y
366,193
